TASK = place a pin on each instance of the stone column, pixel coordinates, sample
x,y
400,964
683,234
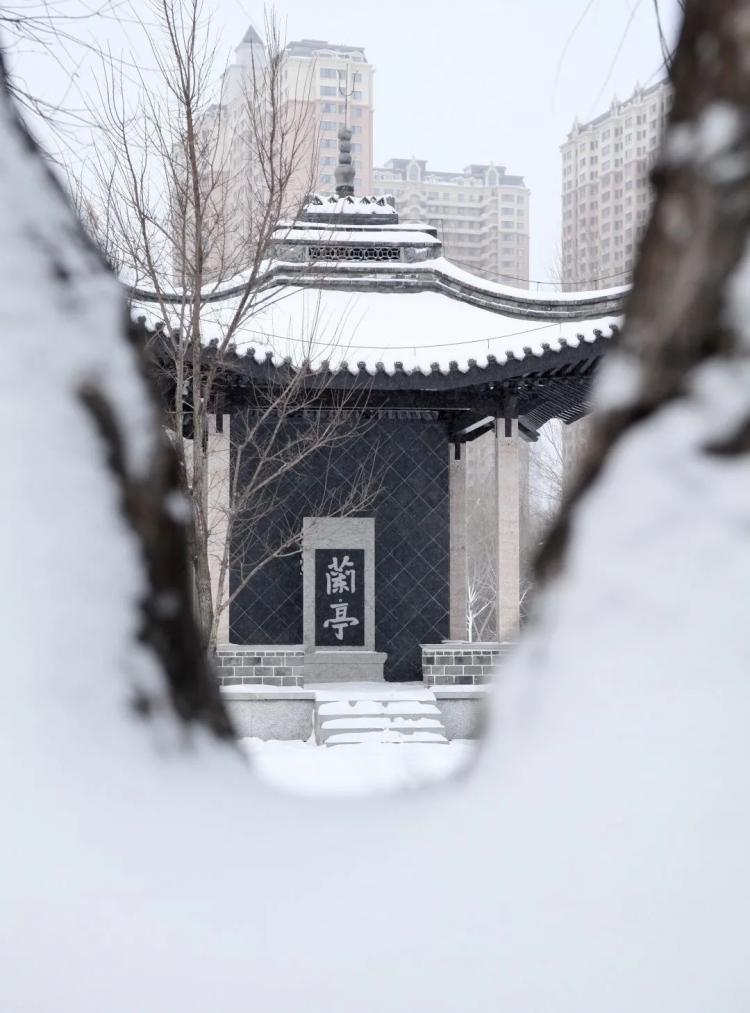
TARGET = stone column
x,y
507,477
576,439
219,484
457,486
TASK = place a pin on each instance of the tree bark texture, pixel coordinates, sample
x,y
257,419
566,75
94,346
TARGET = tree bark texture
x,y
150,498
677,316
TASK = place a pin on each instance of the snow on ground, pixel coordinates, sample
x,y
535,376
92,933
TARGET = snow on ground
x,y
593,860
305,768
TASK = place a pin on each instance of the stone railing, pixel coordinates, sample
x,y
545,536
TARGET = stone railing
x,y
252,665
455,663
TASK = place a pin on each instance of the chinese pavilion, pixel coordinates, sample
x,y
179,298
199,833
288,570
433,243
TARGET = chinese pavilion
x,y
442,358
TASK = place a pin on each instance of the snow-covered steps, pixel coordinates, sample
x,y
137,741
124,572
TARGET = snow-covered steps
x,y
347,714
355,738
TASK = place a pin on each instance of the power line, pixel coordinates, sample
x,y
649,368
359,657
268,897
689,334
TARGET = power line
x,y
615,58
539,281
265,336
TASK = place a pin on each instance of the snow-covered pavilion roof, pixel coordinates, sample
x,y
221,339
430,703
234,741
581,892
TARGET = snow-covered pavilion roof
x,y
351,300
325,205
416,235
389,330
383,313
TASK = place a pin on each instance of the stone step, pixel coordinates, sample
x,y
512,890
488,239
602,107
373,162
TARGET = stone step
x,y
407,717
381,692
377,714
372,708
412,724
359,726
387,736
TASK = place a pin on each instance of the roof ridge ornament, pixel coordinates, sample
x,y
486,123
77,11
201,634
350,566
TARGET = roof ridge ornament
x,y
345,170
344,173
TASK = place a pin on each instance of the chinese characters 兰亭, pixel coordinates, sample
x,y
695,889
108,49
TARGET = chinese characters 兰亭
x,y
340,620
341,579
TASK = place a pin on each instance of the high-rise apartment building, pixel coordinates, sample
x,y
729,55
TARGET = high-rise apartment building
x,y
322,86
606,193
319,87
336,83
482,213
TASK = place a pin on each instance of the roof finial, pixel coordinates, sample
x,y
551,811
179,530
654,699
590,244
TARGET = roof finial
x,y
345,169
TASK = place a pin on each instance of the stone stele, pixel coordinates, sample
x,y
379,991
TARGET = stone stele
x,y
345,663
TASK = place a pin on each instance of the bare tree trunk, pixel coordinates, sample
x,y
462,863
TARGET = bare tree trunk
x,y
679,314
147,494
187,219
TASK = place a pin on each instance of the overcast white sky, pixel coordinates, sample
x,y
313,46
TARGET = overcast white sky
x,y
478,80
481,79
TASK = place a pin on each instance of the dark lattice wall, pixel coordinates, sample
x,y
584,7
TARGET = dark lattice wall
x,y
411,543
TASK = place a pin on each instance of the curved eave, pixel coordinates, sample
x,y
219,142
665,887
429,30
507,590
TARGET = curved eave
x,y
534,388
428,276
564,358
437,275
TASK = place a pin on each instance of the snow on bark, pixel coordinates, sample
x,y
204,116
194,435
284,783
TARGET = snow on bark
x,y
94,576
596,858
687,301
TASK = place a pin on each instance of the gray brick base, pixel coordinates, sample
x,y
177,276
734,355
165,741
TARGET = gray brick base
x,y
461,664
259,666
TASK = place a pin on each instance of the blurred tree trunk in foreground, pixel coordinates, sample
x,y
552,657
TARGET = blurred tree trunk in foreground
x,y
689,288
81,378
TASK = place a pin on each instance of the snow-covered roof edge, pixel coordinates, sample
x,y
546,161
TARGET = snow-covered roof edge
x,y
436,275
578,346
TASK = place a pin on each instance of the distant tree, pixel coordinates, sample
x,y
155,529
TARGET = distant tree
x,y
187,192
65,35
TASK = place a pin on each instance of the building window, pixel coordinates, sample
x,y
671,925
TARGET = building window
x,y
327,125
326,89
328,72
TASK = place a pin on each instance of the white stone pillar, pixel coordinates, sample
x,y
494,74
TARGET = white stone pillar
x,y
508,484
576,440
219,485
458,563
